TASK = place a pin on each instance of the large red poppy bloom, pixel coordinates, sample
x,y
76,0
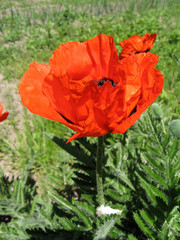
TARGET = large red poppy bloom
x,y
137,44
89,90
4,115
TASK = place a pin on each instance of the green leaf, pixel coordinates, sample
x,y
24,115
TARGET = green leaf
x,y
173,149
166,140
89,209
131,237
148,219
174,221
143,226
163,234
87,197
104,229
154,163
116,196
57,181
147,189
155,152
92,148
155,176
152,191
60,200
66,223
85,219
73,150
123,177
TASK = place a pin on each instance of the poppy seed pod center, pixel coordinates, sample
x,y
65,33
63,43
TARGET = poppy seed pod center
x,y
102,81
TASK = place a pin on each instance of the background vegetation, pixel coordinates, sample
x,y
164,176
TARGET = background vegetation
x,y
136,181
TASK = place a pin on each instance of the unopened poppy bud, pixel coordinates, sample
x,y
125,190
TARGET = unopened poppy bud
x,y
174,128
158,113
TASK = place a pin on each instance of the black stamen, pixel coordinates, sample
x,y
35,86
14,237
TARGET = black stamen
x,y
102,81
144,51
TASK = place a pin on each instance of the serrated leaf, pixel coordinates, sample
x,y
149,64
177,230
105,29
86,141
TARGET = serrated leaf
x,y
155,176
87,197
73,150
56,180
85,219
147,189
173,149
85,177
89,209
104,229
152,190
142,225
148,219
60,200
154,151
131,237
174,221
123,177
116,196
66,223
153,163
166,140
92,148
163,234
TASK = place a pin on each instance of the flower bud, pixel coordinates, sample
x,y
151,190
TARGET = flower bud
x,y
157,111
174,128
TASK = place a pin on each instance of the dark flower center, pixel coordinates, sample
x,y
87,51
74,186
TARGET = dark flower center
x,y
102,81
144,51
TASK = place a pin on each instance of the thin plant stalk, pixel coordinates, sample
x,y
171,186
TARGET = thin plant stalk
x,y
99,175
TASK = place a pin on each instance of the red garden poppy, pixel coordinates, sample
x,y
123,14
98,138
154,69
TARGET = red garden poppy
x,y
137,44
4,115
89,90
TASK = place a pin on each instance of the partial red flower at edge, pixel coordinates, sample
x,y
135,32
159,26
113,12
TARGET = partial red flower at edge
x,y
137,44
4,115
88,89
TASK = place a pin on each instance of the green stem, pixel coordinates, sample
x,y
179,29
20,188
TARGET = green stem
x,y
99,177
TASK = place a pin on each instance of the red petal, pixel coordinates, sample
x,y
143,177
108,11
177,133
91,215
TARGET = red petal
x,y
151,86
4,115
32,96
137,44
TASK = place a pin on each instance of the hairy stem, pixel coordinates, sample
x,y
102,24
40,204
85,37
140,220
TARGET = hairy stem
x,y
99,177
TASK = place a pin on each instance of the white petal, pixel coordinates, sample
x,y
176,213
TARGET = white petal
x,y
102,210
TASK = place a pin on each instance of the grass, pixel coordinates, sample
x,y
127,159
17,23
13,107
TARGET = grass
x,y
30,31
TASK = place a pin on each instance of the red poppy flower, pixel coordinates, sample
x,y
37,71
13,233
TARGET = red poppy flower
x,y
4,115
137,44
86,88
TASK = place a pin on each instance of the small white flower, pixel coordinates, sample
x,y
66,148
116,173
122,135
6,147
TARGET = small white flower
x,y
102,210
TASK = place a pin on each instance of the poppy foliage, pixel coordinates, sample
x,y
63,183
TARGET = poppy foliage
x,y
137,44
89,90
4,115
